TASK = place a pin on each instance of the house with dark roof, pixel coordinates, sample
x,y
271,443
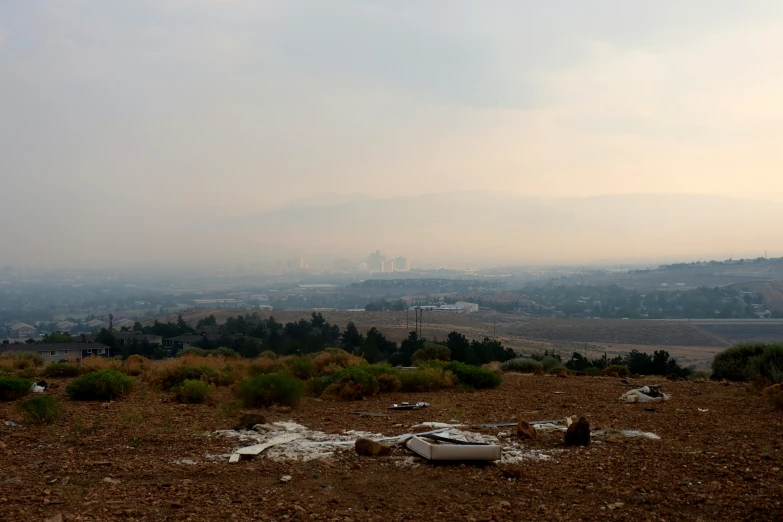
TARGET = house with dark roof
x,y
54,352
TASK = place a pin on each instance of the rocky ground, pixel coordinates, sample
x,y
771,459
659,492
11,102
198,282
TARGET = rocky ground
x,y
147,458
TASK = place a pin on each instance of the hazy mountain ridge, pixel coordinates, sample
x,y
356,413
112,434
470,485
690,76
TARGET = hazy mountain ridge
x,y
503,228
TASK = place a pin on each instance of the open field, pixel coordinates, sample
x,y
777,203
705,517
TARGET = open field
x,y
124,460
692,342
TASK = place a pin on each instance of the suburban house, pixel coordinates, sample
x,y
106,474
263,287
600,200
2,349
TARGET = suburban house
x,y
128,338
22,331
182,341
54,352
65,326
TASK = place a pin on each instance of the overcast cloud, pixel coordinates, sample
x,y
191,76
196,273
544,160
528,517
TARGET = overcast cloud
x,y
136,119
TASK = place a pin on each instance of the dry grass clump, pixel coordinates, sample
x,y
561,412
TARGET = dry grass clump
x,y
326,361
20,360
264,365
95,363
135,365
774,394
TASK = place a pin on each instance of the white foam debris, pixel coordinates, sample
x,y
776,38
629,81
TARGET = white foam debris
x,y
281,441
640,434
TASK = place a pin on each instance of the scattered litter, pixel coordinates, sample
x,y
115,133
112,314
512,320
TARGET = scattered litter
x,y
109,480
187,462
286,478
444,449
559,393
615,505
645,394
11,424
515,452
642,434
409,406
437,425
292,441
256,449
532,423
368,414
703,411
37,389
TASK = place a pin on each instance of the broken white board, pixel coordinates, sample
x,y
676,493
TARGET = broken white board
x,y
256,449
453,452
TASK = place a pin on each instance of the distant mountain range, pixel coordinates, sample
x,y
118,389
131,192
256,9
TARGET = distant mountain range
x,y
469,228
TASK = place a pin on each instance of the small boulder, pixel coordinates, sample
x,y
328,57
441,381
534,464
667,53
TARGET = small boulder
x,y
250,419
526,431
672,377
578,433
539,373
371,448
563,373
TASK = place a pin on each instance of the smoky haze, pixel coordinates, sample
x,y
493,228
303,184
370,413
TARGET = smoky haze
x,y
454,132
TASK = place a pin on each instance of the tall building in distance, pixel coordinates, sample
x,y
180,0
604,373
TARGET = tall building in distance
x,y
297,263
388,265
375,261
401,264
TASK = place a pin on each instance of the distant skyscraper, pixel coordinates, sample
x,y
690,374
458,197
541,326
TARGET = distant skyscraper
x,y
296,263
388,265
401,264
375,261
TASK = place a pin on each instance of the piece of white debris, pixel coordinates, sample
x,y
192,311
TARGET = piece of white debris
x,y
642,434
286,478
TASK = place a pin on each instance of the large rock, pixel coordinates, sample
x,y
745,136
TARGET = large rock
x,y
578,433
250,419
526,431
371,448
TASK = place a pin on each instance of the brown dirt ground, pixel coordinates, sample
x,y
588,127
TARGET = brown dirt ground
x,y
724,464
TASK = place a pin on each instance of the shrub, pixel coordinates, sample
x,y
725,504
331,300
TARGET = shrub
x,y
426,379
473,375
621,371
431,352
769,364
227,352
521,365
273,388
549,363
557,370
700,375
774,394
193,350
41,410
62,370
263,366
102,385
135,365
300,367
12,388
27,373
353,383
389,383
191,391
23,360
315,386
732,363
168,378
593,371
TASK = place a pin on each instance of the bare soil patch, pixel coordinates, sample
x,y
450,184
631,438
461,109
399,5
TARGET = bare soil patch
x,y
147,458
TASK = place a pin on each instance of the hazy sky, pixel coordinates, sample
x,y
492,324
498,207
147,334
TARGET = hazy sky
x,y
123,118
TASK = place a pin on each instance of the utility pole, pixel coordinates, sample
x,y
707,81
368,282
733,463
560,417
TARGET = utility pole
x,y
407,319
111,322
494,326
